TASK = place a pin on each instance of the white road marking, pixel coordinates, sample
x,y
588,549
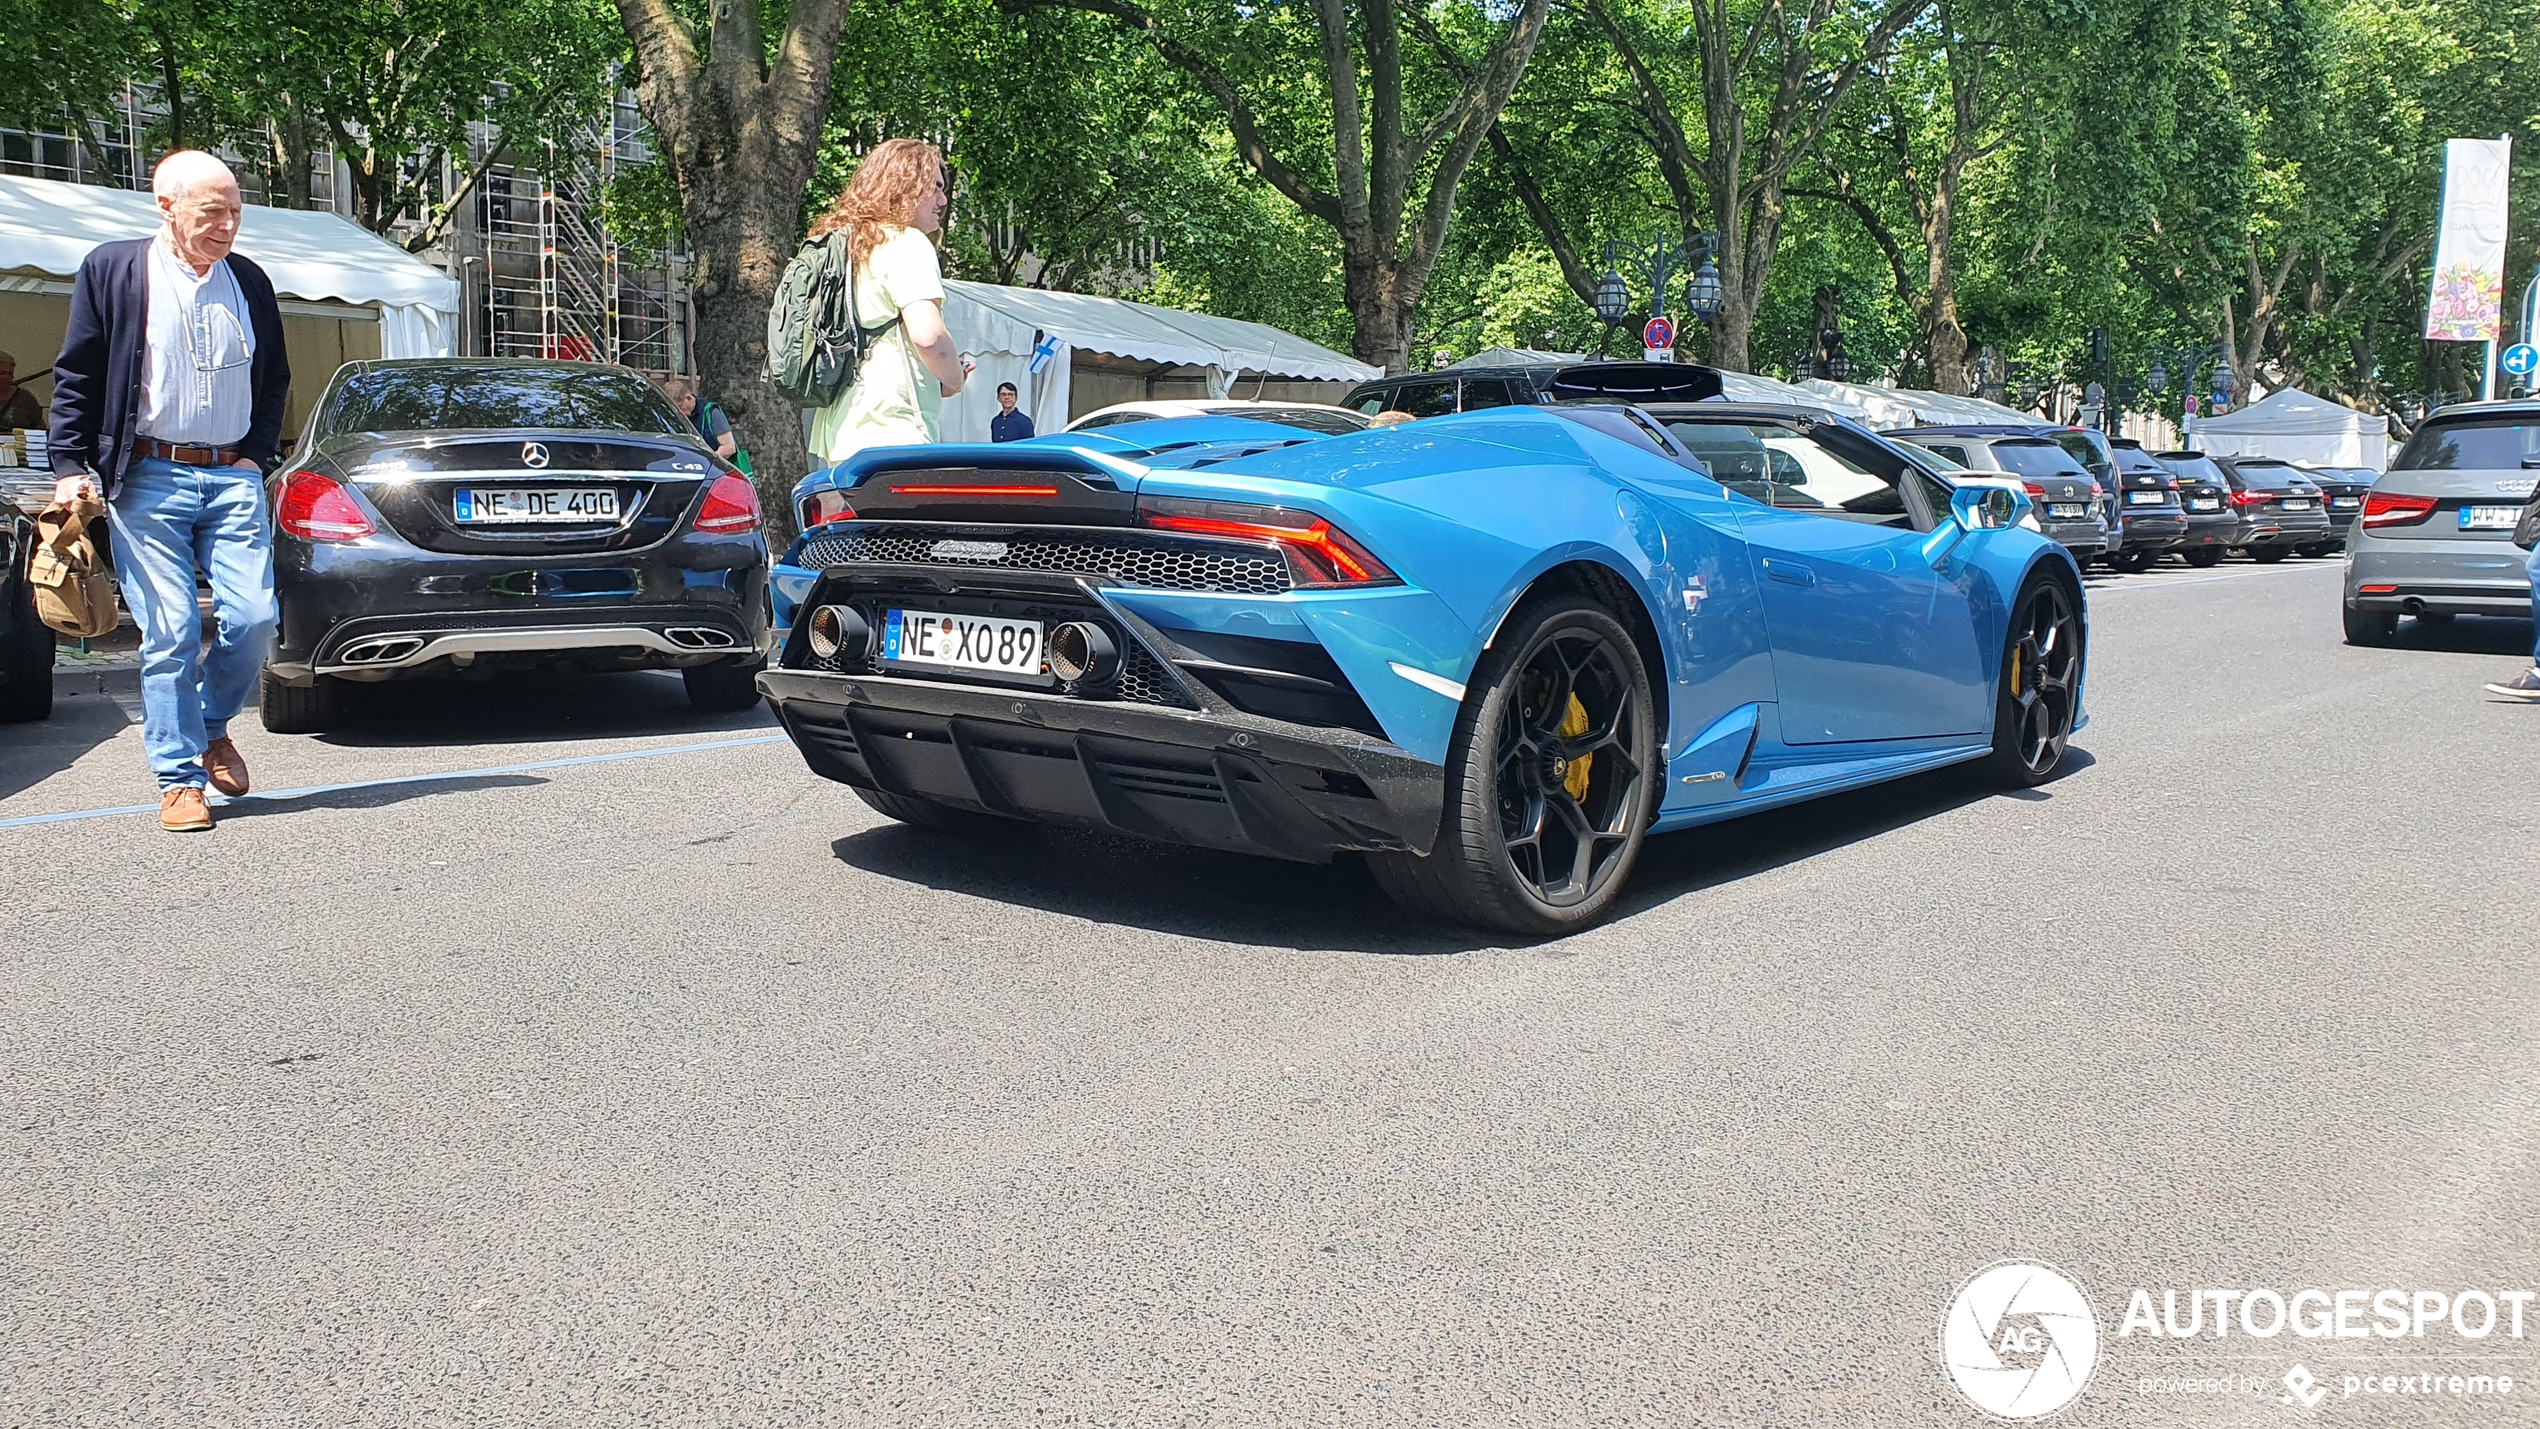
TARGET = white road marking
x,y
218,802
2138,583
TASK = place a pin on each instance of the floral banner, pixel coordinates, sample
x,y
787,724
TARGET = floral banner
x,y
2469,249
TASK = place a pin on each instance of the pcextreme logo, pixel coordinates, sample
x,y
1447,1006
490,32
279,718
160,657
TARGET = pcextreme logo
x,y
2020,1339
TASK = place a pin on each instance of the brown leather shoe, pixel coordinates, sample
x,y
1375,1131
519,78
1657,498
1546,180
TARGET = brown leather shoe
x,y
227,770
182,810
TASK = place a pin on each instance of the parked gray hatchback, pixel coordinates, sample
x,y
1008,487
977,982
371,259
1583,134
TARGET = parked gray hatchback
x,y
2436,536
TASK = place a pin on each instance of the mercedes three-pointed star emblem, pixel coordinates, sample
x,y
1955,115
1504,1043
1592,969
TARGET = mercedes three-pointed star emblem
x,y
533,454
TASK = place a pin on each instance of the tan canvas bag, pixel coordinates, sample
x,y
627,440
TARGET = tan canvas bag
x,y
74,593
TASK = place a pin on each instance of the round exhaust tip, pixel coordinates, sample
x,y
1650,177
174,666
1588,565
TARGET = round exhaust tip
x,y
836,628
1081,653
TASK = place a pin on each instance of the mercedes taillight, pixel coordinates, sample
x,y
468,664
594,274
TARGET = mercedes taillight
x,y
318,508
731,507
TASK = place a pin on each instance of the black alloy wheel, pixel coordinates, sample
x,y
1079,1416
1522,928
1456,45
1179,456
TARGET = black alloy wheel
x,y
2041,684
1550,779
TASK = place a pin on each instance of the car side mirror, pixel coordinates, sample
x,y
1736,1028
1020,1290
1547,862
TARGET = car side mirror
x,y
1987,508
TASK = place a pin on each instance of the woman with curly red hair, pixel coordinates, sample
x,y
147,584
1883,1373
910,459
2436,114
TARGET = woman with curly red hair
x,y
892,210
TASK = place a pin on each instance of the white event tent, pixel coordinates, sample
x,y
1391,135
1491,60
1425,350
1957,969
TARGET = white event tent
x,y
2293,425
1892,408
346,293
1107,350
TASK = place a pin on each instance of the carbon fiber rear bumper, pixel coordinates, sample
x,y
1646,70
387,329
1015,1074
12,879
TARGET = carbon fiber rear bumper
x,y
1206,773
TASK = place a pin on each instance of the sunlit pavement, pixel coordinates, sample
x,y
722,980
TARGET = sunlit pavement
x,y
548,1053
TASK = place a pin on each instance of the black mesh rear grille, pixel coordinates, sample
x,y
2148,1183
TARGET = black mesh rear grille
x,y
1155,562
1144,681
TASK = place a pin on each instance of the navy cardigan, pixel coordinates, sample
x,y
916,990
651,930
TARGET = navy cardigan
x,y
97,379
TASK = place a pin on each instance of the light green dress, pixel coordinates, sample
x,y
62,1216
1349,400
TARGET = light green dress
x,y
895,401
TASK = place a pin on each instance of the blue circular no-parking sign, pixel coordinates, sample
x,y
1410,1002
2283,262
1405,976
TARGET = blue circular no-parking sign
x,y
2520,359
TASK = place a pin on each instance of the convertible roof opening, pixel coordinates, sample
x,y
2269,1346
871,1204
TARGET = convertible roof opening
x,y
1635,382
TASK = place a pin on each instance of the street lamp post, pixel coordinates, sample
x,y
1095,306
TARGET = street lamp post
x,y
1658,263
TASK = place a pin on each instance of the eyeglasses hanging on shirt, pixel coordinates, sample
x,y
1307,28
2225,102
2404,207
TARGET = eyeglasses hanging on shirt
x,y
217,344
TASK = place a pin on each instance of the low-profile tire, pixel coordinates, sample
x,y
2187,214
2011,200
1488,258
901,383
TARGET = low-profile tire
x,y
2039,691
26,660
937,818
2269,555
298,709
2370,627
721,689
1527,842
2203,557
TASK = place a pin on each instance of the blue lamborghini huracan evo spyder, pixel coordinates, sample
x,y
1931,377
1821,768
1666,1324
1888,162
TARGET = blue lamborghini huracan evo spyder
x,y
1490,652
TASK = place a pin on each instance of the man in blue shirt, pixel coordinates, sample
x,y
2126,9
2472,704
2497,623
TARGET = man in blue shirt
x,y
167,402
1008,425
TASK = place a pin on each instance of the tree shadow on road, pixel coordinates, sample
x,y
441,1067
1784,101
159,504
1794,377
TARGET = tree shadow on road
x,y
1232,898
89,709
372,796
527,709
2468,635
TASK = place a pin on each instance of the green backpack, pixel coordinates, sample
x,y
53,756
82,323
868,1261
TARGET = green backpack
x,y
815,345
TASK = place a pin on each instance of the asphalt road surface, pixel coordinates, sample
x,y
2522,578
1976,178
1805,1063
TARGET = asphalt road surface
x,y
551,1086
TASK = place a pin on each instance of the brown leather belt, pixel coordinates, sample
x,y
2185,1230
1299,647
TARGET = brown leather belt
x,y
190,456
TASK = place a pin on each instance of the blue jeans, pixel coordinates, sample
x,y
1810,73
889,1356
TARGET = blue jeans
x,y
2532,568
171,520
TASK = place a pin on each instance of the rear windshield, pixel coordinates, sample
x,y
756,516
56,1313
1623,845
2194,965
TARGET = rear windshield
x,y
1306,419
2194,468
2473,444
2270,473
2135,461
2088,448
580,398
2037,459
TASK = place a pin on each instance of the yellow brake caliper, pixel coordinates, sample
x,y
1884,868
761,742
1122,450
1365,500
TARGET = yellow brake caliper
x,y
1574,722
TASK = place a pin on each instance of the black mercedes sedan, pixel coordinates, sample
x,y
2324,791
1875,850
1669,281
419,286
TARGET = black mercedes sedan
x,y
462,517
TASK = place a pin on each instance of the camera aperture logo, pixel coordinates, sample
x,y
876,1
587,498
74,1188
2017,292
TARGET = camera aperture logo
x,y
2020,1340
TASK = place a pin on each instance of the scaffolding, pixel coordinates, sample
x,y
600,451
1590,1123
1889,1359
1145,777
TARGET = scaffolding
x,y
540,273
548,277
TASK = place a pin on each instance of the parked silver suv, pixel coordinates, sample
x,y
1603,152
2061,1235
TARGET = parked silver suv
x,y
2436,536
2070,504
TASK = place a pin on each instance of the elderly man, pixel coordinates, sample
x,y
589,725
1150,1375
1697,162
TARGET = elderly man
x,y
18,407
168,398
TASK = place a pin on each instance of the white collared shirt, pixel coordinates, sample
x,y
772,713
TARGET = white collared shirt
x,y
197,381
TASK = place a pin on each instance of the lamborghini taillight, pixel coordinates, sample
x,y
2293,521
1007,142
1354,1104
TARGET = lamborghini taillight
x,y
1319,553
